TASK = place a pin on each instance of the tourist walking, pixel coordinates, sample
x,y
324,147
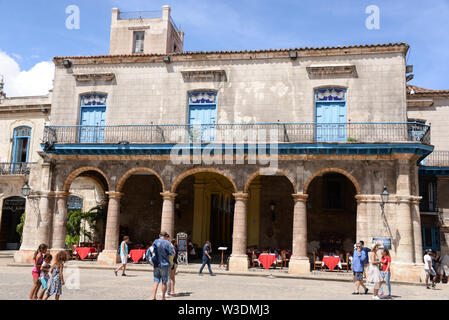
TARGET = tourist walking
x,y
373,273
123,256
162,249
358,257
386,272
57,276
173,270
428,268
365,262
38,259
207,250
45,274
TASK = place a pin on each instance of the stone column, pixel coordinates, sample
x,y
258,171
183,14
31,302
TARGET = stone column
x,y
109,255
239,258
299,262
405,252
59,221
45,218
362,218
168,213
416,218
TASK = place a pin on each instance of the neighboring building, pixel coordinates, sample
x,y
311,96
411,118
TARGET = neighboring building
x,y
337,118
22,122
432,107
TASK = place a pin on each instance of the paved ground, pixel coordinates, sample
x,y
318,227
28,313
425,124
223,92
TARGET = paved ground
x,y
15,283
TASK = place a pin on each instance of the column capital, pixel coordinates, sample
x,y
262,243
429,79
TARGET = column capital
x,y
415,199
168,195
60,194
300,197
240,196
113,194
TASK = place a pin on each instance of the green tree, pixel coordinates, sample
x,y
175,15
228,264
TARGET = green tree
x,y
19,227
75,227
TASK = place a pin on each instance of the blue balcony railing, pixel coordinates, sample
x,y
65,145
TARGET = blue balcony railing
x,y
436,159
240,133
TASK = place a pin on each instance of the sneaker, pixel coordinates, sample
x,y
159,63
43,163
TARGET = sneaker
x,y
124,275
200,274
212,275
376,298
115,272
354,293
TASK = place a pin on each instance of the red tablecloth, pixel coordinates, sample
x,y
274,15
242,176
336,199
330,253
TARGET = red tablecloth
x,y
331,262
267,260
137,254
83,252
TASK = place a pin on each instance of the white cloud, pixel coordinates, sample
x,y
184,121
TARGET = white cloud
x,y
36,81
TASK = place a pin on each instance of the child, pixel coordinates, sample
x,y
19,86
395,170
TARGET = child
x,y
38,259
57,278
45,276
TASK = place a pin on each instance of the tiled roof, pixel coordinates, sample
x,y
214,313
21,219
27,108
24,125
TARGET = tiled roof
x,y
186,53
418,91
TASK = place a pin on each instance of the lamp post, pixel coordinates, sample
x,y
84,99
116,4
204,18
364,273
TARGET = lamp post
x,y
384,197
26,190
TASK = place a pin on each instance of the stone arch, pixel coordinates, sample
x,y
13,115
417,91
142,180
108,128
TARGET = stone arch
x,y
258,173
74,174
184,175
129,173
336,170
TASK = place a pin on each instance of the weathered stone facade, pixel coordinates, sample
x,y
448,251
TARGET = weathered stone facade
x,y
289,209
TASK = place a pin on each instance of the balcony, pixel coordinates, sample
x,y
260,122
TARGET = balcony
x,y
436,159
18,168
435,164
240,133
341,138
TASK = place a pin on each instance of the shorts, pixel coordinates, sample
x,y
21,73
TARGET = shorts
x,y
161,274
430,273
44,282
35,274
124,259
358,276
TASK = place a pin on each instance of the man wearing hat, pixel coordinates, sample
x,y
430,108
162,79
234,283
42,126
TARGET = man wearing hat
x,y
430,272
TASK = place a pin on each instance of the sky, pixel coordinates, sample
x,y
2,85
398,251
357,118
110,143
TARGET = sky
x,y
32,32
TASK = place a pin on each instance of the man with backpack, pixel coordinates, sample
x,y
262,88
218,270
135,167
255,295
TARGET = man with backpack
x,y
158,255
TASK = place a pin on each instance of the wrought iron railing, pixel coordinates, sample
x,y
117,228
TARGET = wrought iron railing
x,y
239,133
16,168
436,159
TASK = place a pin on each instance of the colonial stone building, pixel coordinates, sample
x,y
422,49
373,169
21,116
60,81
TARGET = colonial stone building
x,y
281,149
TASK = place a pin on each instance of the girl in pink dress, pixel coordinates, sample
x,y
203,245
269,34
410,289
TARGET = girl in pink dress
x,y
38,258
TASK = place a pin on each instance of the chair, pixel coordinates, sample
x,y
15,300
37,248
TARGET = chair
x,y
317,263
253,259
75,255
345,262
284,260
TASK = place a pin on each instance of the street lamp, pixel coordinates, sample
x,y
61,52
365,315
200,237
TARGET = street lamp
x,y
26,190
384,197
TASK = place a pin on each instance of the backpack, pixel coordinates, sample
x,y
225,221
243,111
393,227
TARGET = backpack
x,y
151,256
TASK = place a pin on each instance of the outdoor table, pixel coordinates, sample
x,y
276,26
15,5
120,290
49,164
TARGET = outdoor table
x,y
267,259
331,262
137,254
83,252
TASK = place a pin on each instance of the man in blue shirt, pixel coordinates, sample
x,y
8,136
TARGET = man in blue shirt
x,y
206,258
358,259
366,261
163,250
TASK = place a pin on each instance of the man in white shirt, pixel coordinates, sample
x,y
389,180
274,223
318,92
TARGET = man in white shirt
x,y
429,269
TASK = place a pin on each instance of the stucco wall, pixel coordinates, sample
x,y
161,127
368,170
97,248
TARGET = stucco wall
x,y
262,90
438,116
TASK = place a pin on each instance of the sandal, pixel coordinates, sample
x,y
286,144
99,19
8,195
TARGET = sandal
x,y
355,293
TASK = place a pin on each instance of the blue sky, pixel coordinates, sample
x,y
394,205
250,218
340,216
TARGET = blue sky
x,y
33,31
